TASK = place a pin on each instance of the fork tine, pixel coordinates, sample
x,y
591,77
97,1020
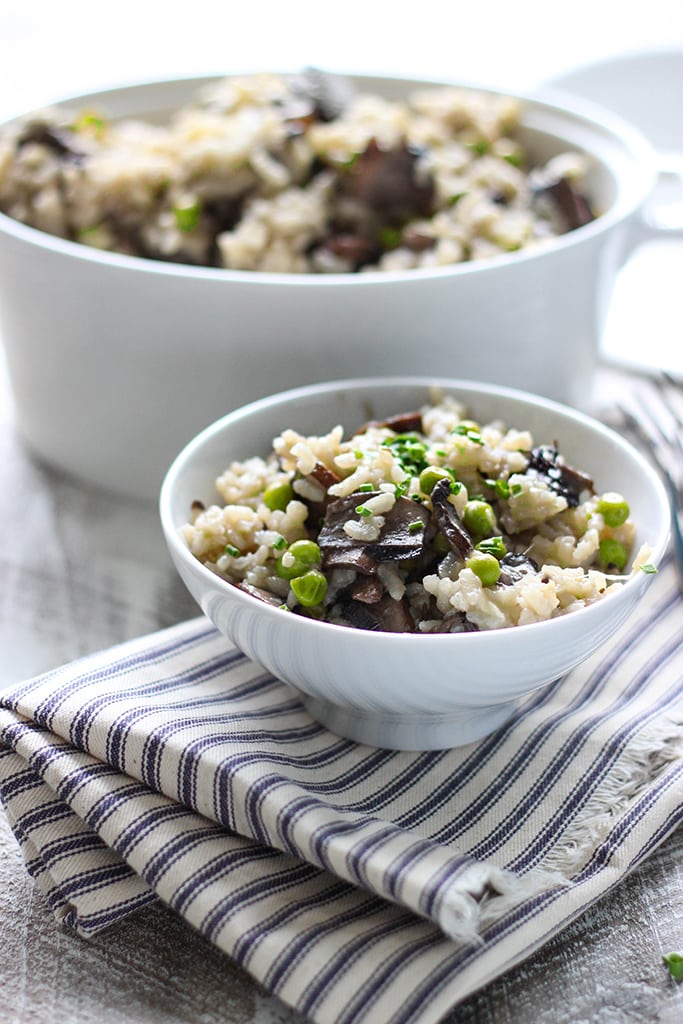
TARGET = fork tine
x,y
668,458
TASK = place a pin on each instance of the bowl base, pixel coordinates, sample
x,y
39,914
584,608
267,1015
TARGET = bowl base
x,y
410,731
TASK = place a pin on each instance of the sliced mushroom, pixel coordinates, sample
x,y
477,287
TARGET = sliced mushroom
x,y
367,589
563,479
399,540
455,623
385,180
573,206
387,615
58,140
329,94
262,595
324,476
448,521
514,566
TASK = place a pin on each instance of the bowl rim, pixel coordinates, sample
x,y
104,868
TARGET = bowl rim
x,y
179,549
547,99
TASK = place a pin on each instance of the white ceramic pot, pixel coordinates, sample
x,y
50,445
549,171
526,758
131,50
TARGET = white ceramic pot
x,y
406,690
116,361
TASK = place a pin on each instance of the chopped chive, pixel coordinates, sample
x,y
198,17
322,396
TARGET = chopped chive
x,y
364,511
400,489
456,487
187,217
648,568
280,543
366,487
358,454
464,431
674,961
516,489
416,526
231,550
441,453
390,238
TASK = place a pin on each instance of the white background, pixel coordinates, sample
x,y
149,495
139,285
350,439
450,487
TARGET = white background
x,y
50,48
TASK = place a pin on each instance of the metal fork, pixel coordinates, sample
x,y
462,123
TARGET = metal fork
x,y
657,422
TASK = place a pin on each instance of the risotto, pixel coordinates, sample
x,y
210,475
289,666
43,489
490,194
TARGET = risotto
x,y
427,522
295,173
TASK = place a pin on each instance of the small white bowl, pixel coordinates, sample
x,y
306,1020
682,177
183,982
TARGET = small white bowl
x,y
116,362
408,691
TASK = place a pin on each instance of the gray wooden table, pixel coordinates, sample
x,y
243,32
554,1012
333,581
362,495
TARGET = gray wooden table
x,y
80,571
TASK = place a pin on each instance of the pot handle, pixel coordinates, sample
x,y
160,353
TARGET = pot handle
x,y
662,218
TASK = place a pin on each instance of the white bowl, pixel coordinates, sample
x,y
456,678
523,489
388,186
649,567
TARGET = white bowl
x,y
408,691
116,361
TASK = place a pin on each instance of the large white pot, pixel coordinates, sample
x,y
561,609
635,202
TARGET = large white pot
x,y
115,362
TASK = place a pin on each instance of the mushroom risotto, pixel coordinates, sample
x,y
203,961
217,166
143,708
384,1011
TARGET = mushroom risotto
x,y
427,522
295,173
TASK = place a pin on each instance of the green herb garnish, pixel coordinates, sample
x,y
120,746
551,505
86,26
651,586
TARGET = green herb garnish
x,y
416,526
648,568
674,961
187,217
465,431
390,238
492,546
231,550
363,511
409,451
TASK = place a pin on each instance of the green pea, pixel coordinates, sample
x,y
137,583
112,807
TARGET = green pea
x,y
278,496
478,518
484,566
309,589
612,553
430,477
613,508
299,557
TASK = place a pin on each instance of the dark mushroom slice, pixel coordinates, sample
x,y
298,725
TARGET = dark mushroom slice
x,y
561,478
324,476
352,248
367,589
448,521
404,535
328,94
386,181
402,423
514,566
417,241
572,205
260,594
455,623
386,616
58,140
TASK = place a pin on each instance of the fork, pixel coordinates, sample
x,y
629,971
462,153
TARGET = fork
x,y
658,425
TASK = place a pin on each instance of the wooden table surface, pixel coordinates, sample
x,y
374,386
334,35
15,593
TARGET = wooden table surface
x,y
80,571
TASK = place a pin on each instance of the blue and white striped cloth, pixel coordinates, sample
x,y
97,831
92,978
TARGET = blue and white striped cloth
x,y
357,884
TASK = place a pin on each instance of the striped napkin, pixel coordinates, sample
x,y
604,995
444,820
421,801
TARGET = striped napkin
x,y
357,884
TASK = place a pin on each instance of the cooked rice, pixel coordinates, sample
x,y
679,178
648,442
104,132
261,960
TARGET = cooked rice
x,y
260,173
547,525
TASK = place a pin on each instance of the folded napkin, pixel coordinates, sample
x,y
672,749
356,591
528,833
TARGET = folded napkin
x,y
357,884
